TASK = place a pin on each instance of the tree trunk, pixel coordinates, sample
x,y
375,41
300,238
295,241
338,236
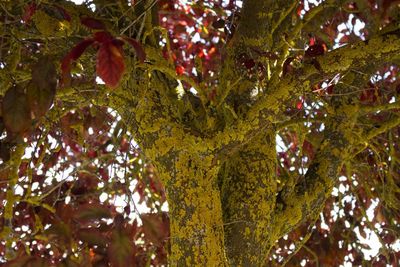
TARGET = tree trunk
x,y
248,190
197,234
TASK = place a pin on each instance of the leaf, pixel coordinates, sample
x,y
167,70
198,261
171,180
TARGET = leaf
x,y
44,72
120,250
74,54
39,100
179,70
155,227
61,231
299,104
92,237
92,23
102,37
29,12
42,89
110,63
15,110
138,48
27,261
92,212
219,24
315,50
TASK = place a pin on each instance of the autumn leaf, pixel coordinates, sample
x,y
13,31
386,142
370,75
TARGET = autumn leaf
x,y
92,212
74,54
155,227
15,110
61,231
102,37
29,12
92,23
92,236
138,48
42,89
110,63
179,70
120,250
28,261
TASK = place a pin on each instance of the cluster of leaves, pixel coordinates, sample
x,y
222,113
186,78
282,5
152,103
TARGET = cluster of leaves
x,y
67,197
75,190
81,163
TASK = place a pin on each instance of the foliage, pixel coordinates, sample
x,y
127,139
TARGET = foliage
x,y
87,165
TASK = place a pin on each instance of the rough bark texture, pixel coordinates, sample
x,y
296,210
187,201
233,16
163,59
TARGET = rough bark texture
x,y
248,199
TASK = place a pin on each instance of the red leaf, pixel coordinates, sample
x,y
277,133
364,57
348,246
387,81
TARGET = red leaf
x,y
155,227
74,54
329,89
121,249
249,63
93,237
138,48
179,70
219,24
93,24
316,50
299,104
29,12
312,41
300,8
344,39
110,63
89,212
103,37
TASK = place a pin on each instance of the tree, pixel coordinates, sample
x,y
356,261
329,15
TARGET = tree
x,y
271,128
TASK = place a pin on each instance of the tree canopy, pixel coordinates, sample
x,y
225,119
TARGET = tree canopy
x,y
199,133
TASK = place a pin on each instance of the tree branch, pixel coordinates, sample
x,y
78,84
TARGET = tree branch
x,y
384,127
268,107
381,107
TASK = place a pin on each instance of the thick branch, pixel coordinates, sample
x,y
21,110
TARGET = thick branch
x,y
268,108
307,198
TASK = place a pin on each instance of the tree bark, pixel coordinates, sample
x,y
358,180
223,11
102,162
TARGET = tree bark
x,y
248,198
197,234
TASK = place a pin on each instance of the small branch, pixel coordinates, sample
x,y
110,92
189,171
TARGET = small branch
x,y
384,127
282,125
382,107
313,254
299,245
